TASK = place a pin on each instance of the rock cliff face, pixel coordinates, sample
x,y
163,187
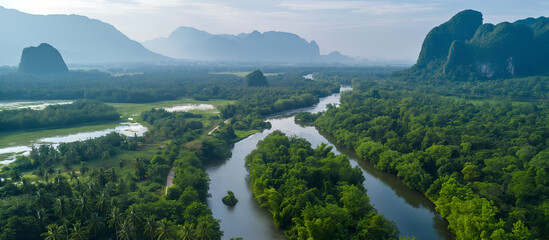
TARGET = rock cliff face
x,y
43,59
465,47
461,27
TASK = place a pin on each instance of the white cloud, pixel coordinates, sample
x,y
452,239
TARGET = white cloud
x,y
370,7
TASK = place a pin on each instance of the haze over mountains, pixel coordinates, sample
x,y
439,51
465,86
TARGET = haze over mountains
x,y
191,43
78,38
82,40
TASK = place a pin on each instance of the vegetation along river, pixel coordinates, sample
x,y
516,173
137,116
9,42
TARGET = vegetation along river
x,y
412,212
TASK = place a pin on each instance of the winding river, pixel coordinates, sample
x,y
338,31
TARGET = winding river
x,y
412,212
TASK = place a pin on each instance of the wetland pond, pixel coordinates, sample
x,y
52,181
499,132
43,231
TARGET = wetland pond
x,y
20,143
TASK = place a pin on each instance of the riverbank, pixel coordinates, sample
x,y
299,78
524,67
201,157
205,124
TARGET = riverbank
x,y
389,196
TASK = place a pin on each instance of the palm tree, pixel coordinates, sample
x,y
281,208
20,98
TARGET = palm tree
x,y
77,233
112,175
84,205
186,232
41,198
133,216
202,232
61,207
115,217
54,232
42,216
127,231
164,229
84,168
102,201
150,226
95,224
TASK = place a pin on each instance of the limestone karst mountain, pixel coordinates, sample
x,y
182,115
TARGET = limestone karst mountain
x,y
43,59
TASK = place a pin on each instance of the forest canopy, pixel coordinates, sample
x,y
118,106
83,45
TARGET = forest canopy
x,y
82,111
311,193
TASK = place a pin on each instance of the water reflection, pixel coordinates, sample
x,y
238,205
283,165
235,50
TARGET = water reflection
x,y
412,212
130,129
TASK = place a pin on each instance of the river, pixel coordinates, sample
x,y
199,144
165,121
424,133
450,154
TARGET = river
x,y
412,212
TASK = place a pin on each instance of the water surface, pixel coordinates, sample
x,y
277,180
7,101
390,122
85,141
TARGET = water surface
x,y
412,212
8,154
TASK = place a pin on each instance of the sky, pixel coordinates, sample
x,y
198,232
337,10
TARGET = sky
x,y
375,30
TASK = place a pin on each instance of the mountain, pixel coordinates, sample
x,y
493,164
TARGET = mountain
x,y
336,57
464,47
79,39
43,59
191,43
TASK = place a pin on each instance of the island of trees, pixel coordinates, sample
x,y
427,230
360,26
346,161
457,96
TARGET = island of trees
x,y
230,199
311,193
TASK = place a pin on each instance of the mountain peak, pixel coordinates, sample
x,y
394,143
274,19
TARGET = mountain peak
x,y
78,38
464,48
461,26
44,59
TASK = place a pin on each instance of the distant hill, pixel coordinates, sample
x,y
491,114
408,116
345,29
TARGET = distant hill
x,y
79,39
465,48
43,59
193,44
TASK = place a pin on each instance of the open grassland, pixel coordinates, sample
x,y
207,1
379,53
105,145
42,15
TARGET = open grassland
x,y
243,74
134,109
25,137
128,110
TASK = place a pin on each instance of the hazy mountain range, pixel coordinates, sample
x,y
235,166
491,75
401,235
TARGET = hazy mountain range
x,y
78,38
465,47
82,40
191,43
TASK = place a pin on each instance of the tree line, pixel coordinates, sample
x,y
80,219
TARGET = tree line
x,y
483,165
82,111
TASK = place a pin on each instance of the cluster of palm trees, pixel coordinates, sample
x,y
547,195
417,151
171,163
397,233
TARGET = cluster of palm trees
x,y
87,210
128,225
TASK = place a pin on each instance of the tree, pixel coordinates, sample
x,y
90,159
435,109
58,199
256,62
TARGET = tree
x,y
95,224
150,226
114,218
164,229
256,79
127,230
230,199
54,232
186,232
77,233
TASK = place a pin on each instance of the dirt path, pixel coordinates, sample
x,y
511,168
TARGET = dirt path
x,y
215,128
169,180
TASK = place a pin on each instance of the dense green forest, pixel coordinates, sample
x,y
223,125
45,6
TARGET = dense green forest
x,y
146,86
311,193
86,190
57,115
122,201
484,165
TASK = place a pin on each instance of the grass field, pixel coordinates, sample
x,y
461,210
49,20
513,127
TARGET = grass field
x,y
25,137
127,110
243,74
133,109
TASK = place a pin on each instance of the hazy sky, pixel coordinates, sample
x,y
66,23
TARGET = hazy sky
x,y
359,28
